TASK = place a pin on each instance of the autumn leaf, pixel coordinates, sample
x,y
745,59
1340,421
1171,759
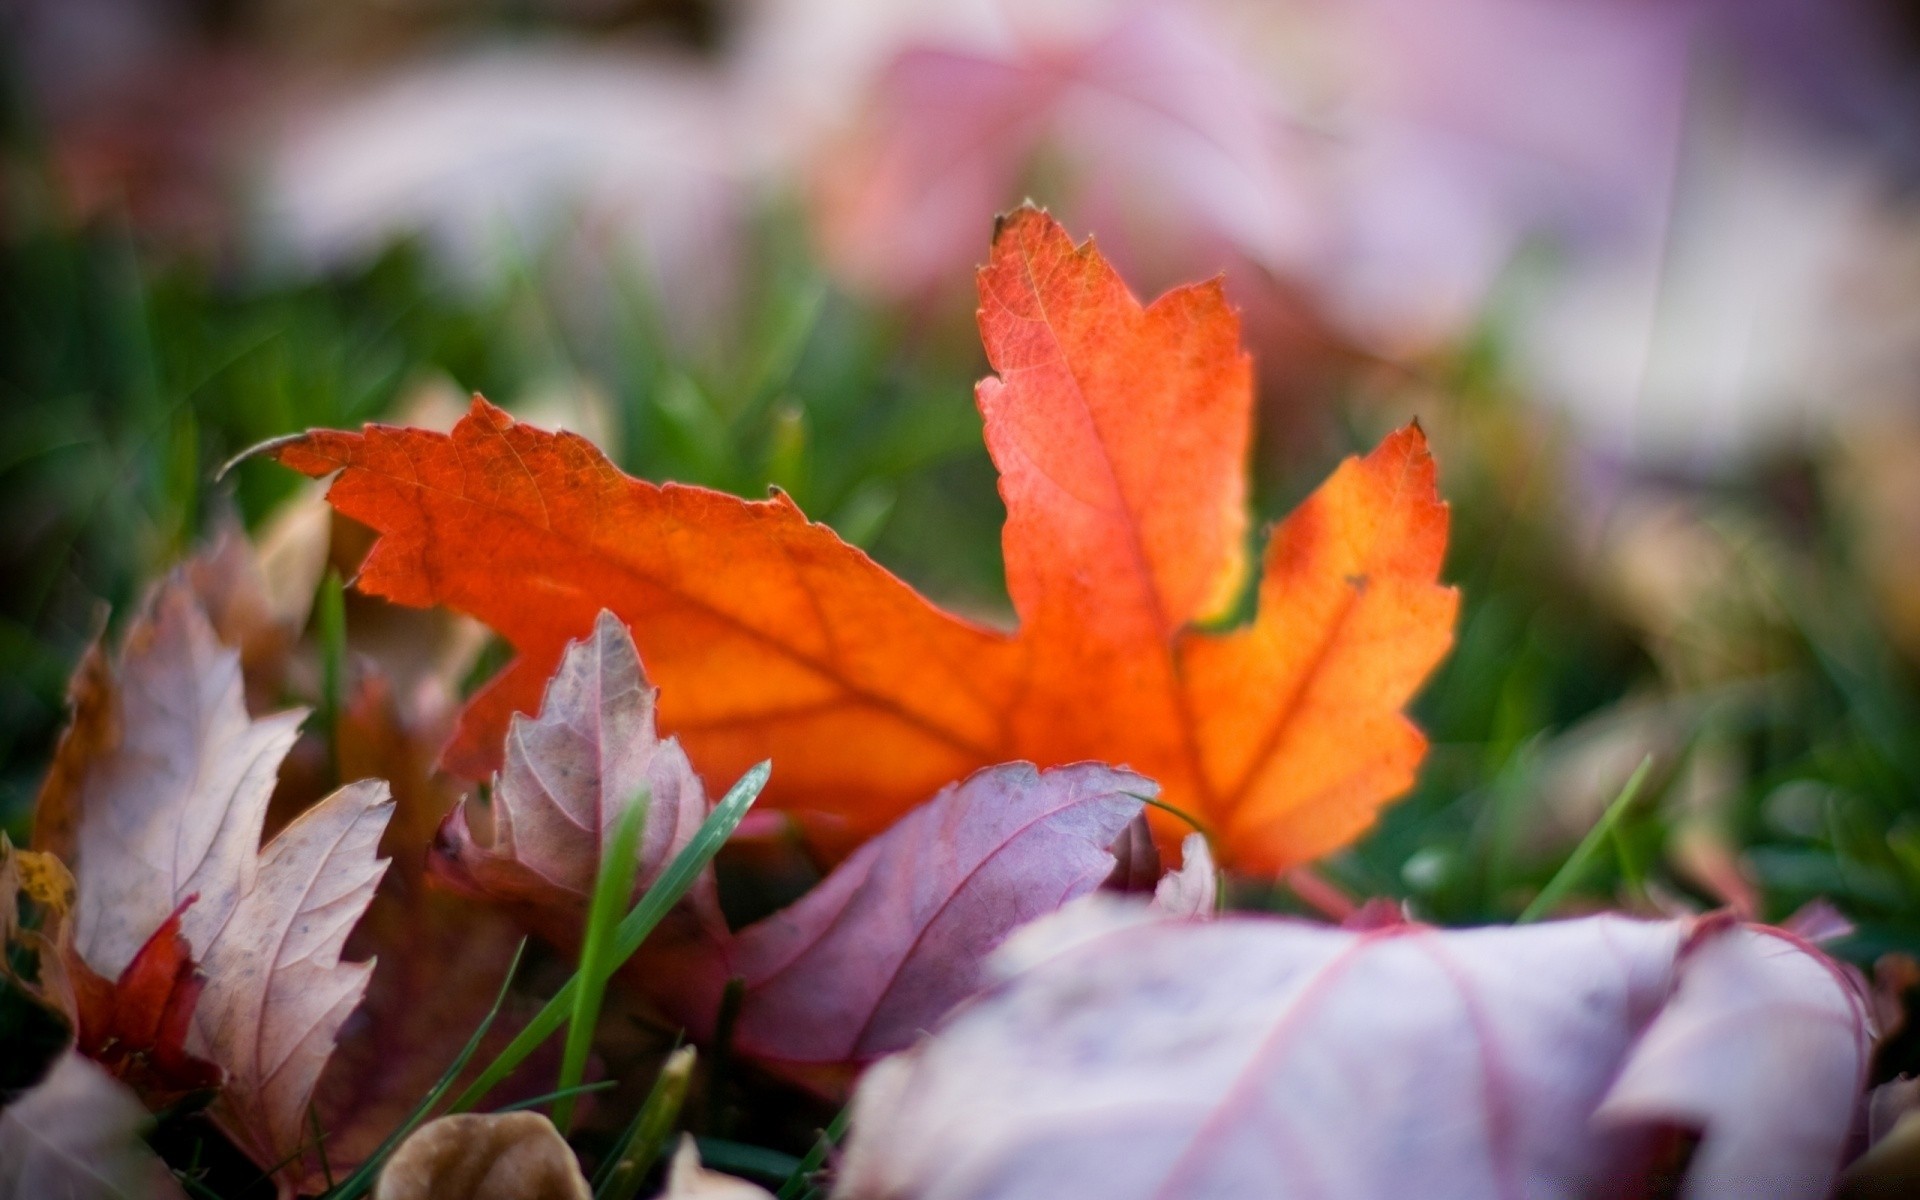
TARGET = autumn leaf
x,y
77,1136
137,1025
438,959
1137,1056
1121,434
483,1156
895,935
170,804
570,775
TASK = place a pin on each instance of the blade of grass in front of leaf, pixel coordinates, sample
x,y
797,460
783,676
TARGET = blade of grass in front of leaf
x,y
799,1180
332,618
550,1097
362,1179
640,1146
634,929
1575,868
612,888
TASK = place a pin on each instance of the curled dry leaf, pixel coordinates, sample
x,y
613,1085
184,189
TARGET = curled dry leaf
x,y
1194,889
1123,1055
170,805
1121,433
688,1180
570,775
483,1156
77,1136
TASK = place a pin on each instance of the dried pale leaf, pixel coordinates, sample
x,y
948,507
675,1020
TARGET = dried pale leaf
x,y
894,937
291,548
1126,1056
91,732
1121,432
1754,1009
1194,889
77,1136
570,775
174,808
483,1156
688,1180
277,991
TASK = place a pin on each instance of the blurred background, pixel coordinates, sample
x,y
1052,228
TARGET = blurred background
x,y
1647,270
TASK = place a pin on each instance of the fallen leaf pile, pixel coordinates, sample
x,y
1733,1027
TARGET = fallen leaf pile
x,y
973,937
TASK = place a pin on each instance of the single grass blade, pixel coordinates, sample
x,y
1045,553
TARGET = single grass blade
x,y
646,1136
612,888
1575,868
634,928
550,1097
799,1182
361,1181
739,1158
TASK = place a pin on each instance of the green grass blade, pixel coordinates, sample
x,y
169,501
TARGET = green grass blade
x,y
362,1179
646,1137
634,929
332,619
612,888
739,1158
1575,868
799,1181
550,1097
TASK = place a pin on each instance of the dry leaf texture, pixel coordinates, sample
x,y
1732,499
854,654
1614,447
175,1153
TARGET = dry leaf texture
x,y
1123,1055
172,806
895,935
1121,434
571,774
483,1156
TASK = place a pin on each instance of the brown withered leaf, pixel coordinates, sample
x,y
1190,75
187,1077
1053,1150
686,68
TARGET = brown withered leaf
x,y
483,1156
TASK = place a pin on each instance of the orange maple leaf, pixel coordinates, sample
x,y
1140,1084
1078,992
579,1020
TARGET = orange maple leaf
x,y
1121,434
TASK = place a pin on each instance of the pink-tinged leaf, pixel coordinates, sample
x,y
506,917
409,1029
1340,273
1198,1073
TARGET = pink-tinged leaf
x,y
277,992
1127,1055
1194,889
173,805
570,774
76,1136
896,935
1762,1037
